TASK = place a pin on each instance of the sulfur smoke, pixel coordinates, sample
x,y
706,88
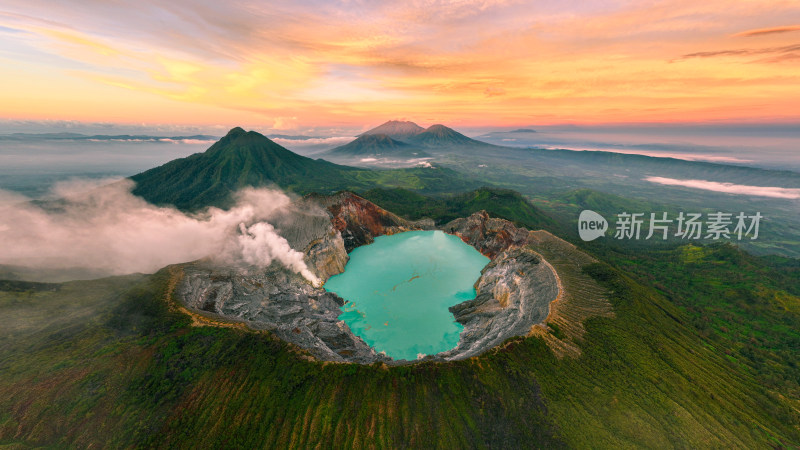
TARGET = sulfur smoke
x,y
260,243
108,230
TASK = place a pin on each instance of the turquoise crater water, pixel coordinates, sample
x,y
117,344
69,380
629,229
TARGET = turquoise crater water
x,y
399,288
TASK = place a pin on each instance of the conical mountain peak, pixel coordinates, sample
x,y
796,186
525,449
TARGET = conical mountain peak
x,y
235,131
440,136
240,159
396,129
440,129
377,145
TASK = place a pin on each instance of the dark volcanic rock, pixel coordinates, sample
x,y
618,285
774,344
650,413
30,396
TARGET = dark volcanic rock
x,y
513,293
279,301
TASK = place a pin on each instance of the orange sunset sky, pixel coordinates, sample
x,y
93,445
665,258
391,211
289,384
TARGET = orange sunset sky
x,y
288,65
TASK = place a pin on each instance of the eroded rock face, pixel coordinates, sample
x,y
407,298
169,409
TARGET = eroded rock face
x,y
359,221
489,236
513,293
326,256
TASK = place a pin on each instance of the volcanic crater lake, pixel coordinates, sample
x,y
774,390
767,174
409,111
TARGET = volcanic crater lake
x,y
399,288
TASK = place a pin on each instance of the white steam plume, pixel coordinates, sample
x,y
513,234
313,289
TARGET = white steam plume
x,y
260,244
109,230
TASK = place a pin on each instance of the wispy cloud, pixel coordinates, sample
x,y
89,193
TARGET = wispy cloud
x,y
787,49
313,145
765,31
730,188
341,63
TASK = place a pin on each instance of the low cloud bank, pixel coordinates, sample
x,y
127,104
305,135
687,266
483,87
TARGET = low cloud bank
x,y
662,154
730,188
334,141
108,229
151,140
309,145
187,141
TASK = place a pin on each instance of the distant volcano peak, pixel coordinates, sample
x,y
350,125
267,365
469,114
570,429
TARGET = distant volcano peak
x,y
441,136
441,130
396,129
435,136
376,145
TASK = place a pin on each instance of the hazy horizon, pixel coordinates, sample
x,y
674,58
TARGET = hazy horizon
x,y
31,165
14,126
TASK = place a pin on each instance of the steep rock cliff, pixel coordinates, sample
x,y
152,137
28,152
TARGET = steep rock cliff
x,y
360,221
490,236
513,293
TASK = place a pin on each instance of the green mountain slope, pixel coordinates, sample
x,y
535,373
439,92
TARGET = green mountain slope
x,y
547,175
745,307
502,203
440,136
237,160
378,145
129,371
242,159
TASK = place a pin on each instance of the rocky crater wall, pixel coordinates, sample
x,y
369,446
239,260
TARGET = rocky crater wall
x,y
514,291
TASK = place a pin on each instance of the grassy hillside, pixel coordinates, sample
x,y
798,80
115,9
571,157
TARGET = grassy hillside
x,y
242,159
550,176
503,203
744,307
127,370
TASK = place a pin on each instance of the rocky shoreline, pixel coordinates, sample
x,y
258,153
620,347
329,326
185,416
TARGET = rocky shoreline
x,y
514,291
